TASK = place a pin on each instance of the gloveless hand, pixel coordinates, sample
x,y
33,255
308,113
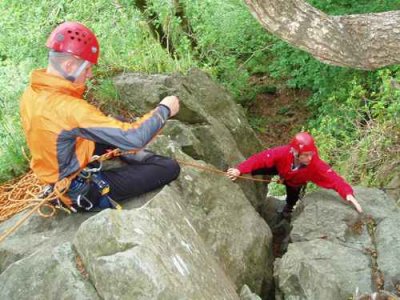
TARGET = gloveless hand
x,y
172,102
233,173
355,203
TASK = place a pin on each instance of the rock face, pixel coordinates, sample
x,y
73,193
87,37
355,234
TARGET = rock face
x,y
50,273
37,234
198,238
225,219
334,252
210,126
141,254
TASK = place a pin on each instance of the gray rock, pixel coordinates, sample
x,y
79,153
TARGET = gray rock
x,y
212,127
270,210
150,253
280,227
217,102
388,245
321,269
393,188
376,202
325,216
226,221
46,274
333,251
35,234
183,135
201,101
247,294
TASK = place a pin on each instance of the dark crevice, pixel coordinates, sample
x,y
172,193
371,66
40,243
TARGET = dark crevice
x,y
185,23
156,30
161,34
80,266
377,275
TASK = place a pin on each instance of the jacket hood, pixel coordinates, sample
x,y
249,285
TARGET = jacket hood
x,y
44,81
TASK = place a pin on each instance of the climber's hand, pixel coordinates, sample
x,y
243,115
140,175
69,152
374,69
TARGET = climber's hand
x,y
233,173
354,202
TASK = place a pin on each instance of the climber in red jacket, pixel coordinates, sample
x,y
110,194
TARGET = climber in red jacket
x,y
296,164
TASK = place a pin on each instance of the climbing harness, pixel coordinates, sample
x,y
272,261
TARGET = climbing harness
x,y
77,198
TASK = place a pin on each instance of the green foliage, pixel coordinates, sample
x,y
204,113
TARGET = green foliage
x,y
12,162
230,42
358,130
355,113
106,96
341,7
258,123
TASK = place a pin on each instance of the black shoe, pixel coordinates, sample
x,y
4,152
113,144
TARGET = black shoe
x,y
287,212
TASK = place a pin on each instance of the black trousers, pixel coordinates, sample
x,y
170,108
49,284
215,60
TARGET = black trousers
x,y
292,193
137,176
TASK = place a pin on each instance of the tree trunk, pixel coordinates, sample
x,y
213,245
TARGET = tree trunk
x,y
365,41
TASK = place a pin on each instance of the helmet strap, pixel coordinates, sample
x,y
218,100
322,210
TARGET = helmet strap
x,y
57,66
78,71
294,152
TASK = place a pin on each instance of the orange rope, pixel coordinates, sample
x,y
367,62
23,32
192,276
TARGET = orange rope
x,y
16,195
219,172
118,152
27,190
24,192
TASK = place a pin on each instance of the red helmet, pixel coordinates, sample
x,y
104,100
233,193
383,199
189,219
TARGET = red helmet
x,y
75,38
303,142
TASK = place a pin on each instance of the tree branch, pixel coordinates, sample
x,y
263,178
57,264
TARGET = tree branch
x,y
365,41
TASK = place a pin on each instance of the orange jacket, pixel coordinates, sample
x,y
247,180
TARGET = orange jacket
x,y
61,127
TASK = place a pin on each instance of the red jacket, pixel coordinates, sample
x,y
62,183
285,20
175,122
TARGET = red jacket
x,y
318,171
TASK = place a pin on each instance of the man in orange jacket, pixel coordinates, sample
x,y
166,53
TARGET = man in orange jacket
x,y
296,163
63,131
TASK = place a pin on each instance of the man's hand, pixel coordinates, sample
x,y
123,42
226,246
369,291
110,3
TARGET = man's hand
x,y
172,102
233,173
355,203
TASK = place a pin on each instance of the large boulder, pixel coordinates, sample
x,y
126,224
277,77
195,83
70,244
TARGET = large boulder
x,y
225,219
234,234
202,102
37,234
334,252
211,127
150,253
52,273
